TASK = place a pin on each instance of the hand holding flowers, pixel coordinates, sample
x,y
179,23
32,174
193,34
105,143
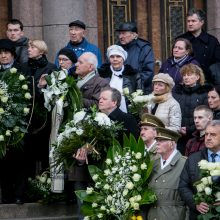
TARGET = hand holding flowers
x,y
207,197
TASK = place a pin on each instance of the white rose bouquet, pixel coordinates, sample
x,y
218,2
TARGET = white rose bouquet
x,y
92,129
121,187
138,102
14,108
208,188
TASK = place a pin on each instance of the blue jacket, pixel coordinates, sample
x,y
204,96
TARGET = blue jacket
x,y
141,58
81,48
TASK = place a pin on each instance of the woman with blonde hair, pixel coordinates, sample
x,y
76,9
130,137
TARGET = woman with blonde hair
x,y
37,139
191,93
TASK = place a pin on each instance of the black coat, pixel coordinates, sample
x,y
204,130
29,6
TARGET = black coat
x,y
206,49
190,175
129,123
131,78
189,98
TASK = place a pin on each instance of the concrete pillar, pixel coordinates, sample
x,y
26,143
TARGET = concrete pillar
x,y
213,17
49,19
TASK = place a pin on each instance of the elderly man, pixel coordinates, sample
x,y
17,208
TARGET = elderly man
x,y
140,53
148,132
164,179
206,47
15,33
202,116
109,103
78,42
191,172
89,82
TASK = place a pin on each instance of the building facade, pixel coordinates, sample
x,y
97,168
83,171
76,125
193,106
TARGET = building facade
x,y
159,21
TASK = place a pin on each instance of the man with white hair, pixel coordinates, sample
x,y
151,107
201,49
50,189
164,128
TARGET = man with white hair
x,y
165,177
89,82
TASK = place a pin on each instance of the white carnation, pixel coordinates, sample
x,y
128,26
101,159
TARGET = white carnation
x,y
138,155
13,70
79,116
2,138
134,168
4,99
208,191
27,95
21,77
108,161
89,190
129,185
24,87
136,177
143,166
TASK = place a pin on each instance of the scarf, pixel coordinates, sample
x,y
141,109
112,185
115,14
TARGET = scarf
x,y
83,81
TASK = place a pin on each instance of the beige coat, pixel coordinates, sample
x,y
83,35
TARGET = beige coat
x,y
164,182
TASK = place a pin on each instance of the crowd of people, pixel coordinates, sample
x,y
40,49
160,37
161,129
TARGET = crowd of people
x,y
180,129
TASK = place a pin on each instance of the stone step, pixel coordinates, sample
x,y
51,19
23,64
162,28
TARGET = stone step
x,y
37,211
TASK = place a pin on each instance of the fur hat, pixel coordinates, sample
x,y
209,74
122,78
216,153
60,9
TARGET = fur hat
x,y
77,23
69,53
165,78
117,50
128,26
8,45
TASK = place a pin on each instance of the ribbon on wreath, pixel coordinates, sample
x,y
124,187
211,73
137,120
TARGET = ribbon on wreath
x,y
56,172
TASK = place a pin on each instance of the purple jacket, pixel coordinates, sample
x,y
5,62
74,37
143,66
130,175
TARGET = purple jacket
x,y
172,68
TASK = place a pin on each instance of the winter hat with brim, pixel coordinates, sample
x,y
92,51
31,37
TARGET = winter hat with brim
x,y
8,45
117,50
68,53
165,78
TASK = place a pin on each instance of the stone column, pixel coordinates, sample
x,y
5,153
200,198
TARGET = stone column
x,y
49,19
58,14
213,17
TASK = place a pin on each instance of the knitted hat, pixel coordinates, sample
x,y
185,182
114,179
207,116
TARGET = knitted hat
x,y
69,53
77,23
117,50
7,45
151,120
128,26
165,78
167,134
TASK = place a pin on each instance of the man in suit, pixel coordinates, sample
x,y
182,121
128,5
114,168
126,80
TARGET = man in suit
x,y
109,103
148,132
164,178
191,172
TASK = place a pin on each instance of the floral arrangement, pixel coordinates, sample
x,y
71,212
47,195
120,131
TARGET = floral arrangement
x,y
121,188
61,89
14,108
40,190
93,130
138,102
208,188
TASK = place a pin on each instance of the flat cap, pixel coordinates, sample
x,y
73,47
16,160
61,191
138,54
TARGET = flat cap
x,y
127,26
77,23
151,120
165,78
167,134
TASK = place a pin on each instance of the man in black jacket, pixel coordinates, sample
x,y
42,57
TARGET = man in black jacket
x,y
191,173
206,47
140,53
109,102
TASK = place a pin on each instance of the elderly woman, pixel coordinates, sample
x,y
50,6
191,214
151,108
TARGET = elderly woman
x,y
181,55
165,107
37,140
119,75
214,102
192,93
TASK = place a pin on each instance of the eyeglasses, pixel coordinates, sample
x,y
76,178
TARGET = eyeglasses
x,y
63,59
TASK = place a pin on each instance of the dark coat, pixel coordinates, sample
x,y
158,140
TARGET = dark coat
x,y
173,68
91,90
141,58
215,73
189,98
195,144
129,123
131,79
22,50
206,50
216,115
190,175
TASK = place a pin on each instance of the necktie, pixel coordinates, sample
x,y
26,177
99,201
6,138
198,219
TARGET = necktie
x,y
213,156
164,162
